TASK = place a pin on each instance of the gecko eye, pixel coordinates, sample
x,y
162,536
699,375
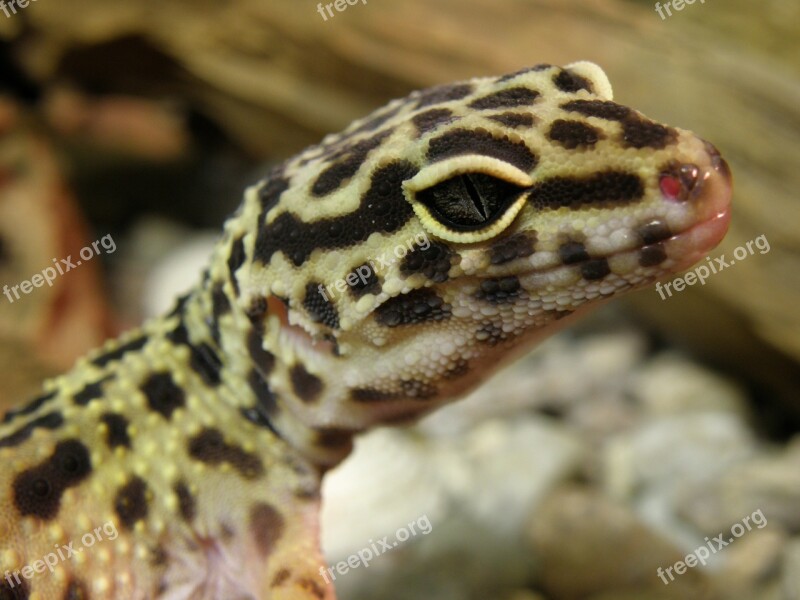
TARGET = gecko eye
x,y
469,201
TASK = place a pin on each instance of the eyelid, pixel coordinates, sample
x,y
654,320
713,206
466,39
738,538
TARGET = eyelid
x,y
458,165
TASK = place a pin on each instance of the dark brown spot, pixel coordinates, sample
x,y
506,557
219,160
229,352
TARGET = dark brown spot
x,y
432,259
459,369
187,505
209,447
601,109
539,67
235,260
409,389
655,231
158,556
312,588
595,268
18,591
50,421
383,209
348,161
367,395
117,354
266,406
499,291
335,438
264,360
513,119
280,578
490,334
306,385
258,309
367,282
431,119
606,188
203,360
92,391
379,119
76,590
641,133
569,82
417,306
117,430
29,408
268,527
163,394
220,305
572,253
319,306
443,93
480,141
38,490
132,502
652,256
519,245
574,134
508,98
180,305
271,189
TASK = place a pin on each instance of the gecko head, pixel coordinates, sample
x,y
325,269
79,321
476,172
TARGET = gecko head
x,y
466,220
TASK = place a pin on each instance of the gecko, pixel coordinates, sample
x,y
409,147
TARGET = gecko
x,y
368,280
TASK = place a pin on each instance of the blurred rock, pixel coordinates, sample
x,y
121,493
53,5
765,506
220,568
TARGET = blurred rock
x,y
476,489
769,483
586,543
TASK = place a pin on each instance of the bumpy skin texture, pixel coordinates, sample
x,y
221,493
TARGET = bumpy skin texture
x,y
368,280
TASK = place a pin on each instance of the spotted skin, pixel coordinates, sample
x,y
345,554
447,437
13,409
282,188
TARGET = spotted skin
x,y
370,279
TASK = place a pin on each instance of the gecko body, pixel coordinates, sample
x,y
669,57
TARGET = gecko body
x,y
368,280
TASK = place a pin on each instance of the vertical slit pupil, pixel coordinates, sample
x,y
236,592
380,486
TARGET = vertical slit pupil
x,y
469,201
475,196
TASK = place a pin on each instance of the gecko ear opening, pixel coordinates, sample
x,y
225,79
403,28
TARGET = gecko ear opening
x,y
469,198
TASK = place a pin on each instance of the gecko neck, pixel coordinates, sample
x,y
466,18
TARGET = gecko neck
x,y
239,347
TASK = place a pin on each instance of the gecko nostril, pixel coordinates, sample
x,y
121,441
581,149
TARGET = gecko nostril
x,y
681,182
690,176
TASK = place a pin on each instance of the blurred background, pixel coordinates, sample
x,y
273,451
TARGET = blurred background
x,y
144,121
